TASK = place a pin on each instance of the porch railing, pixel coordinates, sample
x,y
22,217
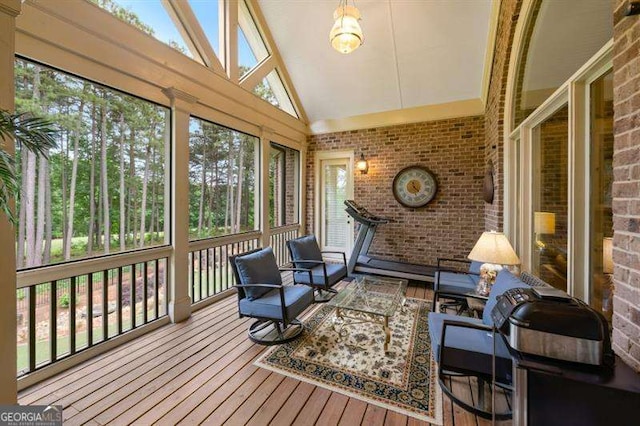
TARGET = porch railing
x,y
209,268
65,309
278,241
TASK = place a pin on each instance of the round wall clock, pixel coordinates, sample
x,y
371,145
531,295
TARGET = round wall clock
x,y
414,186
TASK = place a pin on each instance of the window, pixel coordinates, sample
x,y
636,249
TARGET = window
x,y
102,190
550,184
284,184
251,47
150,17
557,42
207,13
222,178
272,90
601,214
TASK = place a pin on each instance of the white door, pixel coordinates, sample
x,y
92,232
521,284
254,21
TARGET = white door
x,y
335,186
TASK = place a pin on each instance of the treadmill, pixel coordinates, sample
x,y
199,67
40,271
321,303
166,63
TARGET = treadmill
x,y
360,261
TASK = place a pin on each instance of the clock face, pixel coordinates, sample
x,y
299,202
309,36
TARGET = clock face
x,y
414,186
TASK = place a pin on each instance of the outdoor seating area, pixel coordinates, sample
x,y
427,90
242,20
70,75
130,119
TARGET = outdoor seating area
x,y
238,212
204,369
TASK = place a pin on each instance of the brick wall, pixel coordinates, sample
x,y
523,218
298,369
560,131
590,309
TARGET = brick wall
x,y
494,113
626,186
452,149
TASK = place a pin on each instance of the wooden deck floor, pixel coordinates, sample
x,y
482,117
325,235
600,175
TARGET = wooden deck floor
x,y
201,371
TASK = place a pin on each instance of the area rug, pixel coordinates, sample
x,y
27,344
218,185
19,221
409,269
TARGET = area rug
x,y
353,362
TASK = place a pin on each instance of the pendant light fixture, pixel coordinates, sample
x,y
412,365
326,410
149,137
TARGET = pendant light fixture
x,y
346,34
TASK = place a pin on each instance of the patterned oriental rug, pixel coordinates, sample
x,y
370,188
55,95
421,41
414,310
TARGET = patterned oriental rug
x,y
353,362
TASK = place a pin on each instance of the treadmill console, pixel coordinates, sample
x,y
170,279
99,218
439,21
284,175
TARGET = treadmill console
x,y
361,214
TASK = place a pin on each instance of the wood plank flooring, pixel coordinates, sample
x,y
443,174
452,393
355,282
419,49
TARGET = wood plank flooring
x,y
201,371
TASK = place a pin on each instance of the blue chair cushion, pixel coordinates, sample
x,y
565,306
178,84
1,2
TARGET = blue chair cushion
x,y
504,281
296,299
305,248
461,338
455,282
474,268
258,268
335,272
468,349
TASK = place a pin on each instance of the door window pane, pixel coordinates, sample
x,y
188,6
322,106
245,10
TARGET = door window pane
x,y
102,189
335,193
550,199
222,185
284,178
601,223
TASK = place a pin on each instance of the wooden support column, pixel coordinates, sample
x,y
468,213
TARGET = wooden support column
x,y
265,147
179,302
229,38
9,10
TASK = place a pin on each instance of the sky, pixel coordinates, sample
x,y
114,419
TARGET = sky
x,y
152,13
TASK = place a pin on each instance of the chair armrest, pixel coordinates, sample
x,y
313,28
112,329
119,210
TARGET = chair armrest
x,y
318,262
477,297
446,259
344,256
259,285
298,270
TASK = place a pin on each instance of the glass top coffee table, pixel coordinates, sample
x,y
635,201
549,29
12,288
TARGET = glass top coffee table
x,y
369,299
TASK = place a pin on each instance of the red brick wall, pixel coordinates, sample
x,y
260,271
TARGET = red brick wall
x,y
494,113
626,186
452,149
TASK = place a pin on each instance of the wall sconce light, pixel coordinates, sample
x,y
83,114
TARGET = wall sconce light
x,y
362,165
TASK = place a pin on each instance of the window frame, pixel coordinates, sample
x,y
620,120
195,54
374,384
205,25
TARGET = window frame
x,y
168,196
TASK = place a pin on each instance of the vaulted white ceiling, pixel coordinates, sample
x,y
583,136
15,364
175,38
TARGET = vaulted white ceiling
x,y
415,53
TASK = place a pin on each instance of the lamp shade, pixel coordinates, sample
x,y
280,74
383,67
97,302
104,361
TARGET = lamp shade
x,y
544,223
607,255
494,247
346,34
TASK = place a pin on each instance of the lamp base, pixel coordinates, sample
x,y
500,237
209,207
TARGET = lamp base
x,y
488,273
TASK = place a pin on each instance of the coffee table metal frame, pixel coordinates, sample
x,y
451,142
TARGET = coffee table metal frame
x,y
369,300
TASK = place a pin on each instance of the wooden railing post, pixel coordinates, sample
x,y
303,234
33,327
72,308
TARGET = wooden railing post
x,y
180,302
265,147
9,9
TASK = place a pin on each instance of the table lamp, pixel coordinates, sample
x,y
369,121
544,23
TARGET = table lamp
x,y
494,249
543,223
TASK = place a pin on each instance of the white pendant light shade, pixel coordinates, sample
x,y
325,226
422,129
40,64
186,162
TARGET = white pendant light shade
x,y
346,34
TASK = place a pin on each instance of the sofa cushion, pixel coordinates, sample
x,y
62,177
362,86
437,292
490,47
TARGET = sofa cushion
x,y
504,281
258,268
305,248
474,268
335,272
296,299
455,281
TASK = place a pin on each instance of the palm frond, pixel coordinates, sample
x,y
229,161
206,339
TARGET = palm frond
x,y
9,185
33,133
